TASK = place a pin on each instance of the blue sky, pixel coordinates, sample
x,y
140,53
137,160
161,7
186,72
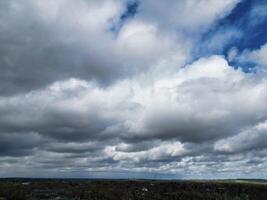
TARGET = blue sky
x,y
133,89
246,22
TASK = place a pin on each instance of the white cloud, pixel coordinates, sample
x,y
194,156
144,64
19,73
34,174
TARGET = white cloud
x,y
253,138
163,151
257,56
189,15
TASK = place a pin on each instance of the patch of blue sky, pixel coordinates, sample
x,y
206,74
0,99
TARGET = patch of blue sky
x,y
250,16
130,12
245,28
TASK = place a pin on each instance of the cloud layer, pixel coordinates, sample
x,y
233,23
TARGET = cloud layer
x,y
86,92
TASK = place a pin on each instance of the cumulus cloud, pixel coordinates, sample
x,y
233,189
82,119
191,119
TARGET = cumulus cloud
x,y
257,56
63,39
78,95
133,122
187,15
253,138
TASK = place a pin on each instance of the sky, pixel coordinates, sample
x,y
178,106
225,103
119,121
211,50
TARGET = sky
x,y
133,89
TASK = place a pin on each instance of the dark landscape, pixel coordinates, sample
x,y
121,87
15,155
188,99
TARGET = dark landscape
x,y
67,189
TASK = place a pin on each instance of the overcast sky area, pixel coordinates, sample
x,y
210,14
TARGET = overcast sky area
x,y
133,89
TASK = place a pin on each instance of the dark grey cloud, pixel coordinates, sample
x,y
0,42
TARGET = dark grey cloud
x,y
46,42
36,51
19,144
